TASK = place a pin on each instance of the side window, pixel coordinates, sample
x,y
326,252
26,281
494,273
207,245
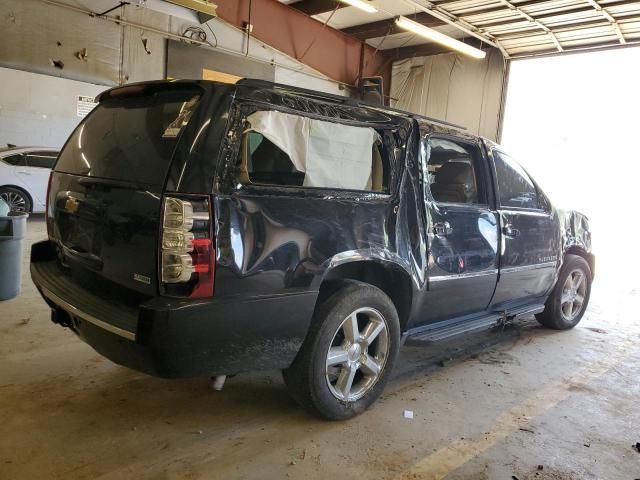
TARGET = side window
x,y
41,159
452,168
264,162
291,150
17,160
515,188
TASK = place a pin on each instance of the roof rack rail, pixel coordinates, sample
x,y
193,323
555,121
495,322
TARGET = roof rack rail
x,y
341,100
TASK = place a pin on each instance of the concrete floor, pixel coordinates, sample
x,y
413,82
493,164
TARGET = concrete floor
x,y
494,406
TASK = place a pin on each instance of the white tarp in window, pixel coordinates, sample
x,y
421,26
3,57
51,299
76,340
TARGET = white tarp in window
x,y
289,132
331,155
339,156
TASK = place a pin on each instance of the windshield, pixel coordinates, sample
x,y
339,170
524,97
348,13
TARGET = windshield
x,y
131,137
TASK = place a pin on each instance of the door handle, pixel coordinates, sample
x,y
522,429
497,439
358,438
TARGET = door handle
x,y
442,228
23,172
510,231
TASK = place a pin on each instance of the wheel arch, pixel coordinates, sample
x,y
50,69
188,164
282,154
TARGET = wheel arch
x,y
581,252
389,277
23,190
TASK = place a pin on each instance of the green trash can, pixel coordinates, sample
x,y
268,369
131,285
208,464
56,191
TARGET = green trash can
x,y
13,226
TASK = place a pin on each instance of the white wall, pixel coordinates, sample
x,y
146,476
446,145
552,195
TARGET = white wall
x,y
39,110
33,33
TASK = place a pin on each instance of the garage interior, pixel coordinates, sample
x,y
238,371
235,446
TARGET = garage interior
x,y
521,402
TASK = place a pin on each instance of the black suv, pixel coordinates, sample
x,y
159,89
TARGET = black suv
x,y
199,228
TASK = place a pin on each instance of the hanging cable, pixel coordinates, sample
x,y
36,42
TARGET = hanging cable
x,y
316,37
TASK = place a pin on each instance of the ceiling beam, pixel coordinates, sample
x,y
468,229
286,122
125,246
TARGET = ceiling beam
x,y
481,11
316,7
328,51
577,49
470,12
542,16
559,29
528,17
610,19
384,27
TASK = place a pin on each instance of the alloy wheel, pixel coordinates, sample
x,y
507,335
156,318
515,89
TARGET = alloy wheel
x,y
573,295
357,355
15,200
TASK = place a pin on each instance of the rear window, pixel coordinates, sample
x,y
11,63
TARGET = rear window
x,y
131,137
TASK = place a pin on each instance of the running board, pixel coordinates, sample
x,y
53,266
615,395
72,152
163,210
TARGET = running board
x,y
439,331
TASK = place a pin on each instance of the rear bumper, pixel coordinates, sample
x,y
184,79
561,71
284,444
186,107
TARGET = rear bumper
x,y
173,338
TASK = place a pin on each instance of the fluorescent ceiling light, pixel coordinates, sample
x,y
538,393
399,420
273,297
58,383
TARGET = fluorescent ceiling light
x,y
362,5
441,38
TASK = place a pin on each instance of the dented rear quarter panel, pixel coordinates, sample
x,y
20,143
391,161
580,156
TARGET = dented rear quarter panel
x,y
274,240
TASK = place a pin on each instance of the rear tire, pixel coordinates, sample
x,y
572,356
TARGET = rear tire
x,y
567,303
341,370
17,199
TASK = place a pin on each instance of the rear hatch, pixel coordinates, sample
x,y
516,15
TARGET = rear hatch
x,y
106,188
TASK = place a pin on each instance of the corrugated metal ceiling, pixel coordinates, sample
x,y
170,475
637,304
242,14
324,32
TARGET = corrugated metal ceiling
x,y
520,27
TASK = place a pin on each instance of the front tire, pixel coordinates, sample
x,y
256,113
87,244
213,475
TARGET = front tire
x,y
17,200
345,361
567,303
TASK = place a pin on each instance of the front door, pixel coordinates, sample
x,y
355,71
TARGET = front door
x,y
463,230
530,236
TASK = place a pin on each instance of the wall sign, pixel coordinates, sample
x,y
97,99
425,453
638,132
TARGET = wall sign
x,y
85,105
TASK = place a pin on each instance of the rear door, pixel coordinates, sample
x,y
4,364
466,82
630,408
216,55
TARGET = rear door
x,y
463,229
530,236
105,198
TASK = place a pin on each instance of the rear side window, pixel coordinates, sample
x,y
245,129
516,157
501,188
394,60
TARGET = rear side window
x,y
130,137
291,150
515,187
41,159
17,160
453,171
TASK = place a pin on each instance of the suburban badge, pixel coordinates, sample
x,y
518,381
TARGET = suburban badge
x,y
142,278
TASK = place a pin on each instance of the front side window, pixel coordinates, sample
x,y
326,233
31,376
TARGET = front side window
x,y
291,150
452,171
41,159
515,187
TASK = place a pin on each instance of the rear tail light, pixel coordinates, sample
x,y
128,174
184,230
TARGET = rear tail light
x,y
46,205
187,255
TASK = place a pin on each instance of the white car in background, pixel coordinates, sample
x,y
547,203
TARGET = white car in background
x,y
24,175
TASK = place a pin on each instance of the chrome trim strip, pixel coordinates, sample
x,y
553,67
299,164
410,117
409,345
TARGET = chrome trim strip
x,y
459,276
524,268
533,212
85,316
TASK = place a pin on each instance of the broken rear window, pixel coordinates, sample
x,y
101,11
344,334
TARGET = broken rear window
x,y
291,150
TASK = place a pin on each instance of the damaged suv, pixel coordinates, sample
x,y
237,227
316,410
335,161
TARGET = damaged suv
x,y
198,228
